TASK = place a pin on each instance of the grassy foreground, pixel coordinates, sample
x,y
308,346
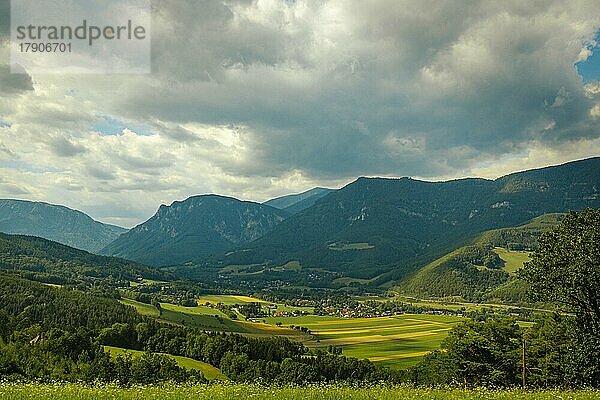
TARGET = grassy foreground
x,y
240,391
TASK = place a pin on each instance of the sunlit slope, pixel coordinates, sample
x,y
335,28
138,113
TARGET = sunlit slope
x,y
478,271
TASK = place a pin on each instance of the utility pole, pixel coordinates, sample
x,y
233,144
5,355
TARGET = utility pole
x,y
523,363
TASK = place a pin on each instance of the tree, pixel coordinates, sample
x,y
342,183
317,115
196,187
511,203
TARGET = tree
x,y
486,352
475,353
566,269
566,266
550,354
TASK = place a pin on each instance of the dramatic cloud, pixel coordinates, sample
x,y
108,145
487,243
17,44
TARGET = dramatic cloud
x,y
261,98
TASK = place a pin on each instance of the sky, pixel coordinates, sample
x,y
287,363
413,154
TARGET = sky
x,y
256,99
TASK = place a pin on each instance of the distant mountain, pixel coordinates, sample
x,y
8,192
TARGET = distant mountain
x,y
44,260
195,228
294,203
57,223
395,226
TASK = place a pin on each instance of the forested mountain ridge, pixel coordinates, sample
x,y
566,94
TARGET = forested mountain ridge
x,y
47,261
375,225
194,228
58,223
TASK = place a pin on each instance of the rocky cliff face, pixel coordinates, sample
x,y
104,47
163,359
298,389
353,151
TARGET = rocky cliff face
x,y
195,228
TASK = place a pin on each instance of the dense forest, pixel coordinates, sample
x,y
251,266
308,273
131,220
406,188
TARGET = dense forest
x,y
45,260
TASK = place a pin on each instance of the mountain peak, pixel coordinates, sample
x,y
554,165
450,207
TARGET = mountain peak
x,y
55,222
194,228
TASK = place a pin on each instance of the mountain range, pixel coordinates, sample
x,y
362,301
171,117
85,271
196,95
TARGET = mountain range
x,y
376,231
374,226
58,223
197,227
294,203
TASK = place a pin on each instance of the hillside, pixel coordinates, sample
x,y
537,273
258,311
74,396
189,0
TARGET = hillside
x,y
195,228
374,226
295,203
24,303
484,269
58,223
43,260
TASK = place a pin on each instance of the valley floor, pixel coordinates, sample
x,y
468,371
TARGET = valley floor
x,y
9,391
394,341
397,341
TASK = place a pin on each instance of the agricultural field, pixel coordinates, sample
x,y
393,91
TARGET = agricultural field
x,y
212,319
396,341
17,391
227,299
198,310
211,373
142,308
203,309
237,299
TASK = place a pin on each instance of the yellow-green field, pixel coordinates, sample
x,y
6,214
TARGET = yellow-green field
x,y
198,310
209,372
239,299
396,341
227,299
513,259
142,308
211,319
19,391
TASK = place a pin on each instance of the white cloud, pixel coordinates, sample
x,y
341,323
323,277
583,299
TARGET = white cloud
x,y
261,98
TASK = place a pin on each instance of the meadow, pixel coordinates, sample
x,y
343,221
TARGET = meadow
x,y
394,341
209,372
212,319
513,260
10,391
227,299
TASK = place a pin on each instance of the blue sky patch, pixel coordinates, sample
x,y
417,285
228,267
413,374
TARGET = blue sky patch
x,y
21,165
112,126
590,68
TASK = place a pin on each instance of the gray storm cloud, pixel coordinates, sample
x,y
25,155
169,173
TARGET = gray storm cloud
x,y
260,98
323,86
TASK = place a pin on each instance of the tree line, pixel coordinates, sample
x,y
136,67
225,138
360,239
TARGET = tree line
x,y
50,333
